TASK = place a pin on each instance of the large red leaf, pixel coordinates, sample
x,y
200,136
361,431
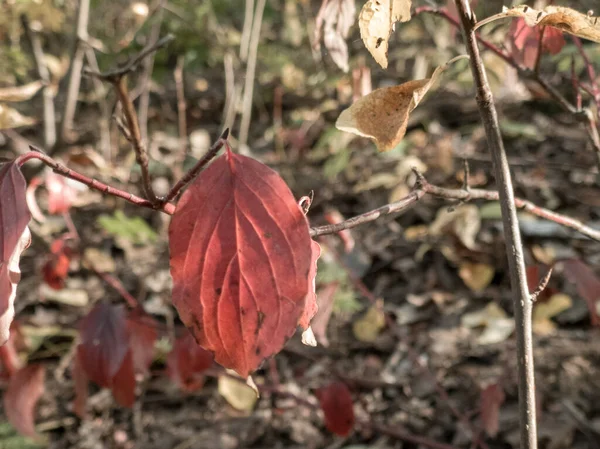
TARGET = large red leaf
x,y
338,408
25,388
14,216
104,343
187,362
240,261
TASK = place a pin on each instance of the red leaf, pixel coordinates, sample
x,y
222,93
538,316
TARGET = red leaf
x,y
187,362
14,217
81,388
310,306
56,268
60,193
24,390
104,343
336,403
492,397
587,283
525,41
123,383
142,336
240,260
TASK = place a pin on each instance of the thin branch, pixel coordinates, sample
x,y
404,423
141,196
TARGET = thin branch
x,y
47,90
59,168
423,187
193,172
251,73
541,286
512,236
181,117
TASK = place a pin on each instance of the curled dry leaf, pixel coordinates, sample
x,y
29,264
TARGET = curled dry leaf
x,y
377,21
497,325
382,116
20,93
14,238
565,19
11,118
310,306
337,17
25,388
240,261
336,402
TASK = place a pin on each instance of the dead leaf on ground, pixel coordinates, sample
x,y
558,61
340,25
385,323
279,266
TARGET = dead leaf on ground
x,y
20,93
239,395
368,326
565,19
463,222
544,311
377,23
382,116
497,325
11,118
476,276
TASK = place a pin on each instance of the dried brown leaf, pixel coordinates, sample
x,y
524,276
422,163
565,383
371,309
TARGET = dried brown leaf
x,y
377,21
565,19
20,93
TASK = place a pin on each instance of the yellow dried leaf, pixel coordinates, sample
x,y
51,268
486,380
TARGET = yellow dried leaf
x,y
238,394
543,312
476,276
11,118
20,93
565,19
367,327
382,115
376,22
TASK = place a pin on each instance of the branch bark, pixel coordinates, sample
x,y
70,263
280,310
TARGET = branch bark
x,y
514,248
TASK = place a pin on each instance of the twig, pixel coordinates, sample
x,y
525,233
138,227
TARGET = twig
x,y
81,37
250,73
193,172
181,117
245,39
541,286
141,154
100,91
424,187
59,168
117,286
47,90
148,65
514,248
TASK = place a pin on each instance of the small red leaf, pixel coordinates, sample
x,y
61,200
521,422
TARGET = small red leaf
x,y
142,336
492,397
14,217
336,403
24,390
187,362
56,268
525,41
123,383
104,343
587,283
240,261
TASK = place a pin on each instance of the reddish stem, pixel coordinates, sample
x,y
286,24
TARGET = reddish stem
x,y
61,169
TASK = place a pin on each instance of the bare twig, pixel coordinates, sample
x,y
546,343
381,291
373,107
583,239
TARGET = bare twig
x,y
148,66
248,19
75,70
423,187
251,72
514,248
92,183
48,89
181,117
193,172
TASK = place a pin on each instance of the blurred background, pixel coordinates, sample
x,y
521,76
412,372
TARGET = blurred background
x,y
416,309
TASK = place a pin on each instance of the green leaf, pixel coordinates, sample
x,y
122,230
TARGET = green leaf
x,y
134,229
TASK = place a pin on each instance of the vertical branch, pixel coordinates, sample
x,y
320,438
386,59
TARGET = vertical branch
x,y
47,91
514,248
76,67
245,40
250,73
181,117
